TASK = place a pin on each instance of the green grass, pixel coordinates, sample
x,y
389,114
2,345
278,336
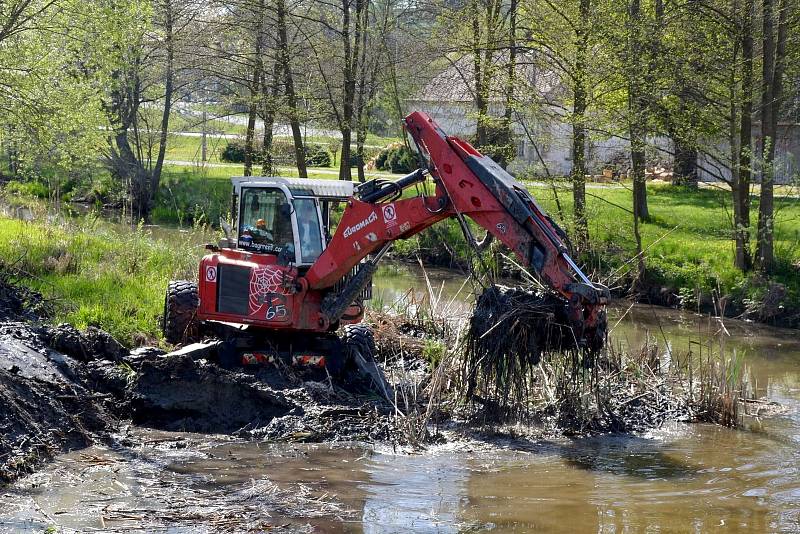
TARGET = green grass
x,y
114,277
689,233
188,148
99,274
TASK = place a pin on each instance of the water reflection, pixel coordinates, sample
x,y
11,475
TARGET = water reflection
x,y
419,493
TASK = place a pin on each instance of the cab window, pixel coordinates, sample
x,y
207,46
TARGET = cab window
x,y
309,228
265,222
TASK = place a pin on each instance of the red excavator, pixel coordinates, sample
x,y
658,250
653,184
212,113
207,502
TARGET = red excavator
x,y
283,283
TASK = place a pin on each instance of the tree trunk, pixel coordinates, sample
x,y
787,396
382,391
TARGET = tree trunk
x,y
344,161
510,151
364,112
636,110
126,165
365,93
741,189
773,58
291,97
639,178
250,134
123,161
255,89
685,170
155,176
512,64
398,106
351,57
579,130
270,104
480,75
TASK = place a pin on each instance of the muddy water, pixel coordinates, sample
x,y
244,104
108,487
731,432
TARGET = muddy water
x,y
680,478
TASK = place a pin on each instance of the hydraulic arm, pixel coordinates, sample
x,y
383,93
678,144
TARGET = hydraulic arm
x,y
467,184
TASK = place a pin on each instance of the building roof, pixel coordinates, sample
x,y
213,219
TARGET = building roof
x,y
456,83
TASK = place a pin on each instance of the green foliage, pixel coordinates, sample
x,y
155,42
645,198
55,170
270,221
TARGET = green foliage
x,y
100,274
396,158
30,189
369,153
189,197
54,81
318,156
233,152
283,153
499,145
433,351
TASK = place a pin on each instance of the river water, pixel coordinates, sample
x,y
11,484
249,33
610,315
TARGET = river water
x,y
680,478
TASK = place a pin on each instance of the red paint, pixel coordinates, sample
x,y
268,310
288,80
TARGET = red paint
x,y
365,228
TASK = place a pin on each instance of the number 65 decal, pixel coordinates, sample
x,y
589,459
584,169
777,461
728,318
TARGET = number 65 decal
x,y
276,306
276,312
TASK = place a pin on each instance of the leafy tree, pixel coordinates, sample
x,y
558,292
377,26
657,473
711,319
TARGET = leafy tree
x,y
50,113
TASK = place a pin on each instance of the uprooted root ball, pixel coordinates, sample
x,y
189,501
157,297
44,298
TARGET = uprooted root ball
x,y
509,332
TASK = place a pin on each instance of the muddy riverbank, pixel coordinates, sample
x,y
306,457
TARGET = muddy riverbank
x,y
135,477
62,390
66,389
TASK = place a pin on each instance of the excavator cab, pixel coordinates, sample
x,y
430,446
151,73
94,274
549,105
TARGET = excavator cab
x,y
289,219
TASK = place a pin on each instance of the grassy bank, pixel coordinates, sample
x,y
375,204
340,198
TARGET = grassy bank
x,y
689,250
99,274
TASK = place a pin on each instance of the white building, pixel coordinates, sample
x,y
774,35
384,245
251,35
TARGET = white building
x,y
544,142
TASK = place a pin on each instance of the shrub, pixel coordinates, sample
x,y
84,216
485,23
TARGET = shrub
x,y
27,189
282,153
499,146
402,161
318,156
233,153
396,158
369,155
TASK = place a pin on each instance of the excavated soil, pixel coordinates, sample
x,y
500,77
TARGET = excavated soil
x,y
47,407
62,389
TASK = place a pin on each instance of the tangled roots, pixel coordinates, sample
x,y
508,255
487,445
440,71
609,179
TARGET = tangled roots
x,y
509,332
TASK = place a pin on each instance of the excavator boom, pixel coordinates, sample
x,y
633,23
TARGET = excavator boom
x,y
467,184
278,287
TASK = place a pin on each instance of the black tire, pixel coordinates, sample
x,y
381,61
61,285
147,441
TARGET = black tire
x,y
179,324
360,354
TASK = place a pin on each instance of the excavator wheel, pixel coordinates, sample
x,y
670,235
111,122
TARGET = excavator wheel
x,y
360,355
179,323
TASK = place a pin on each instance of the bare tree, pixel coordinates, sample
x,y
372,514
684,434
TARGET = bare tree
x,y
155,71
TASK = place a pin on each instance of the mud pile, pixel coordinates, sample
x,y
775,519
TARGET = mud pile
x,y
177,392
47,407
61,389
